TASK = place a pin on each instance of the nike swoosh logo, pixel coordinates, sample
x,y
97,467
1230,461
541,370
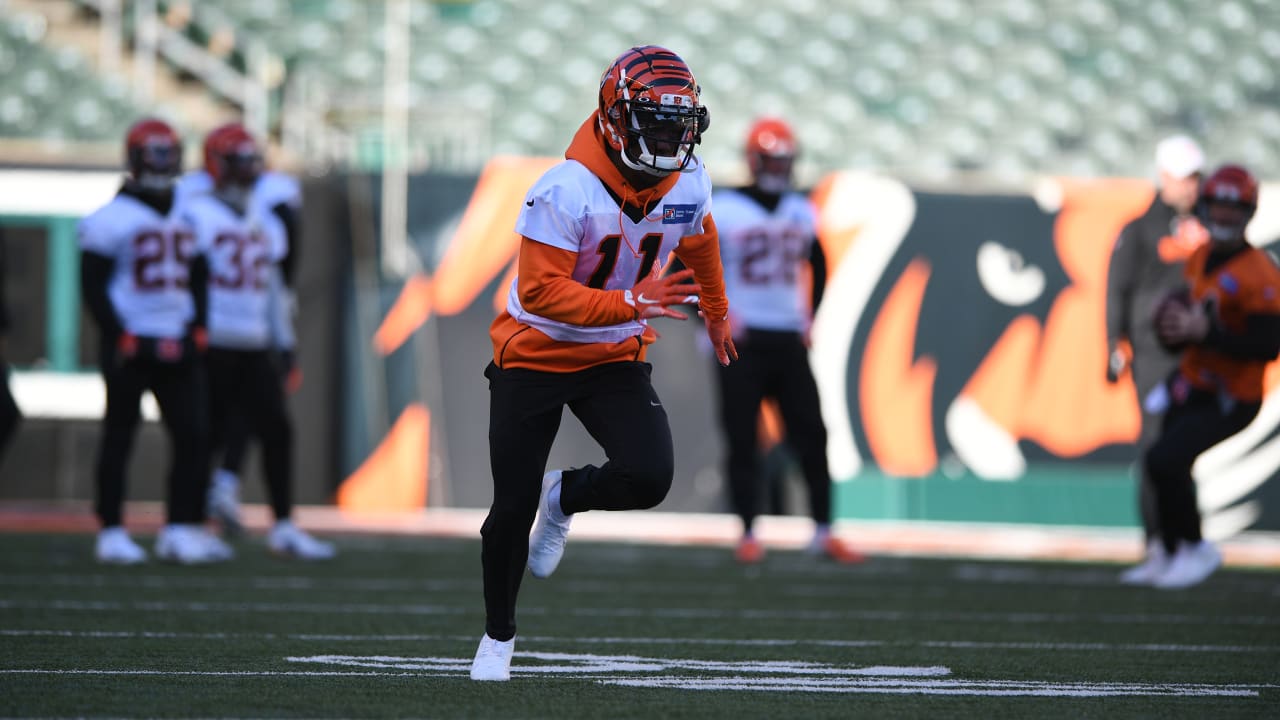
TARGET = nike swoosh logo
x,y
642,299
529,203
655,404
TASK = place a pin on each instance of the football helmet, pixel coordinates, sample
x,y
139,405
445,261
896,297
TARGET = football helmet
x,y
650,111
771,154
232,156
153,154
1228,200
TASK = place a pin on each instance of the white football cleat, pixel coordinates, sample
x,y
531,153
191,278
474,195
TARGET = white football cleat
x,y
493,659
191,545
551,531
224,501
1151,568
115,547
289,540
1191,565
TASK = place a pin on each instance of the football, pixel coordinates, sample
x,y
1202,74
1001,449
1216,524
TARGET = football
x,y
1180,298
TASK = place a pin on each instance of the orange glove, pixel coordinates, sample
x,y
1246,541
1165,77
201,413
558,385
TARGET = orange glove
x,y
652,296
721,335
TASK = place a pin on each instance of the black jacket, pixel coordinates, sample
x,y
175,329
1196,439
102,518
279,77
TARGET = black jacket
x,y
1140,274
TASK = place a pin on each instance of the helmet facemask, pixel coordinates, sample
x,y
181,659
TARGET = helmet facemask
x,y
660,136
1225,221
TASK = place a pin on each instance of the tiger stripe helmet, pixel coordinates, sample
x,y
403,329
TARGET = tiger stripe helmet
x,y
650,112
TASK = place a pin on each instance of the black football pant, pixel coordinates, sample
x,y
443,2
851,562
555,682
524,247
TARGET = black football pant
x,y
179,389
1189,429
246,398
10,414
618,407
773,364
1152,366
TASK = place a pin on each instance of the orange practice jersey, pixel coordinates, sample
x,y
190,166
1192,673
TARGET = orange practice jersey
x,y
1247,284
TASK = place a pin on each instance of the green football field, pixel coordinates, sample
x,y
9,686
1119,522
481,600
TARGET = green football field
x,y
624,631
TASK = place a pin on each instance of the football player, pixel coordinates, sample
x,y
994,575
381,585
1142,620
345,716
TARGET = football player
x,y
1231,330
245,246
595,229
144,286
769,245
277,195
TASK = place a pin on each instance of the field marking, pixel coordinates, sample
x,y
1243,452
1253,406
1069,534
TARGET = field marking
x,y
1010,618
755,642
867,680
781,676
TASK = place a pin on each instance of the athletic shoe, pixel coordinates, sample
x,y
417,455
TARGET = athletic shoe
x,y
288,540
115,547
1191,565
546,545
749,551
833,547
1151,568
493,659
191,545
224,502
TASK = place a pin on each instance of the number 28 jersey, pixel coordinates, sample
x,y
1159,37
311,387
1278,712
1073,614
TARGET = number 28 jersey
x,y
148,289
569,208
242,251
763,254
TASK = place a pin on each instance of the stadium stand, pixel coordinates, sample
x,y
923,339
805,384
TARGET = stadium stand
x,y
932,90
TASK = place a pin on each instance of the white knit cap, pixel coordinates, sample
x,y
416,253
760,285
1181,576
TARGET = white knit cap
x,y
1179,156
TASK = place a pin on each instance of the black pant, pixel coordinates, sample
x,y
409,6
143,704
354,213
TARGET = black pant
x,y
1151,367
617,405
1190,427
776,365
10,414
246,393
180,392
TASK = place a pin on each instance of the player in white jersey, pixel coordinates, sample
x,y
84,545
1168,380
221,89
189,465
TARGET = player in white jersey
x,y
144,288
595,231
244,245
768,242
276,197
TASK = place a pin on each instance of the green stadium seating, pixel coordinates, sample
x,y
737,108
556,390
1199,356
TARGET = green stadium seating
x,y
934,88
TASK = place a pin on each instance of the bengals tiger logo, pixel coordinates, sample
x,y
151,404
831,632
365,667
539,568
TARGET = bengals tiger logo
x,y
955,338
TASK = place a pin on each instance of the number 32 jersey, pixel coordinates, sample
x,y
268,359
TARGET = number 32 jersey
x,y
242,251
148,290
763,254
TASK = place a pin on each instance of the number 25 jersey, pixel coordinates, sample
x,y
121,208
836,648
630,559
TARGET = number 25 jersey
x,y
148,289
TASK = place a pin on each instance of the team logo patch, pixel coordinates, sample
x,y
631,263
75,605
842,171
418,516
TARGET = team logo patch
x,y
678,214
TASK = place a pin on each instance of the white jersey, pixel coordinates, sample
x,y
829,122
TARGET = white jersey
x,y
242,251
152,252
763,253
569,208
